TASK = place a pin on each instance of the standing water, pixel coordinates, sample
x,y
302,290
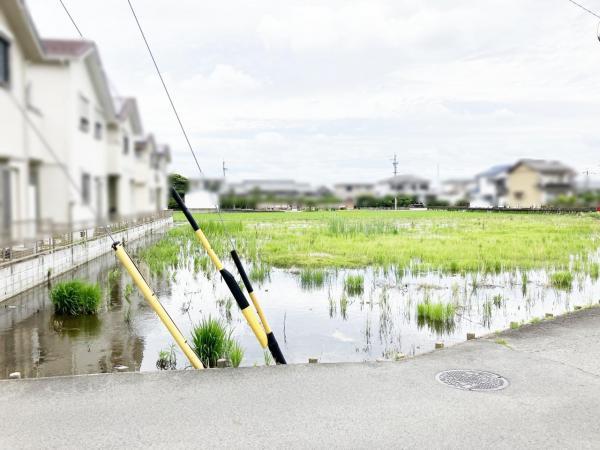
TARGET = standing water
x,y
333,315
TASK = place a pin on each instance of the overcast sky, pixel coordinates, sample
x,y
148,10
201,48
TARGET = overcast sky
x,y
329,90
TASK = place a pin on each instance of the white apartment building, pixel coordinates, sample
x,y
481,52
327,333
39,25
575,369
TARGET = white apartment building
x,y
55,98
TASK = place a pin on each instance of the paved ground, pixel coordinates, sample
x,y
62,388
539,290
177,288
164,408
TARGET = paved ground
x,y
553,401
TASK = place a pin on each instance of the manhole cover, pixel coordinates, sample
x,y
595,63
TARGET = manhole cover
x,y
472,380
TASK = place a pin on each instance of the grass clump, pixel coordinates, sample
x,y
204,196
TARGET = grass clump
x,y
438,315
211,341
236,353
562,280
312,278
260,272
76,298
167,359
354,284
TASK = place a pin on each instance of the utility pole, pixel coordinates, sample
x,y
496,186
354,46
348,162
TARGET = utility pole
x,y
225,169
395,164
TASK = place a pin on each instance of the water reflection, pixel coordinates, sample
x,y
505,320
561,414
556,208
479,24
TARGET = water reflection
x,y
37,342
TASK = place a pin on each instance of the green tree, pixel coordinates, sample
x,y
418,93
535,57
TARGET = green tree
x,y
181,185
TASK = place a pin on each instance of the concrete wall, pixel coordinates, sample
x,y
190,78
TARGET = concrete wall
x,y
20,276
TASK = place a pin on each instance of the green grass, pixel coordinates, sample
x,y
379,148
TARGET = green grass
x,y
236,353
312,278
502,342
260,272
76,298
167,359
562,280
114,276
354,284
164,254
426,240
438,315
211,341
594,271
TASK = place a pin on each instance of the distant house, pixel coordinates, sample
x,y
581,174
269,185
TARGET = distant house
x,y
404,185
490,187
457,190
348,193
277,188
533,183
203,193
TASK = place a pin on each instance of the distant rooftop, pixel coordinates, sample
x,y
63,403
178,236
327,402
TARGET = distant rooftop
x,y
495,170
72,48
543,166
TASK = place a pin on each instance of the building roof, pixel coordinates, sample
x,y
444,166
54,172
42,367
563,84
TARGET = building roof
x,y
69,48
22,26
543,166
127,107
494,171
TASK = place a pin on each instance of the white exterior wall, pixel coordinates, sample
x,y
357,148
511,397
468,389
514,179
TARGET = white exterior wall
x,y
12,130
87,154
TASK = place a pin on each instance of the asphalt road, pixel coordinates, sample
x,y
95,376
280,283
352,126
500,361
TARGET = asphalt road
x,y
552,401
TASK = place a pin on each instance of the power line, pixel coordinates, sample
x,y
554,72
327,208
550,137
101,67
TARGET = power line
x,y
165,87
585,9
70,17
229,237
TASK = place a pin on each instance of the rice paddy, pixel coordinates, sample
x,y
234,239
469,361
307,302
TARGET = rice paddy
x,y
453,242
339,286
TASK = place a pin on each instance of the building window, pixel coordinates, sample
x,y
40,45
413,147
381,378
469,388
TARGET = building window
x,y
125,145
86,181
4,62
84,114
519,195
98,130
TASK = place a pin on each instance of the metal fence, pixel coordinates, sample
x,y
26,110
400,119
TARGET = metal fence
x,y
51,236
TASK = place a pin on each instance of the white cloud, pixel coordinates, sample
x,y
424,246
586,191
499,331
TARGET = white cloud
x,y
330,89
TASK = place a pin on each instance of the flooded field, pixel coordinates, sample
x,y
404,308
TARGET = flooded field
x,y
331,314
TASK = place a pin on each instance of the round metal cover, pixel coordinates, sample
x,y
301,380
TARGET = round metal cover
x,y
472,380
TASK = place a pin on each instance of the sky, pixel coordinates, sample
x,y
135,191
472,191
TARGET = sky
x,y
328,91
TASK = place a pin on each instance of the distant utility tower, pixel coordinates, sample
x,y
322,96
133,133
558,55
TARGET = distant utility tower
x,y
225,169
395,164
587,174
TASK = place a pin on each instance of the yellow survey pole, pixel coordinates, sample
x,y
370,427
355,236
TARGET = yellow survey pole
x,y
155,304
248,312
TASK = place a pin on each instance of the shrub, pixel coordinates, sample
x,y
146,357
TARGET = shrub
x,y
211,341
76,298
